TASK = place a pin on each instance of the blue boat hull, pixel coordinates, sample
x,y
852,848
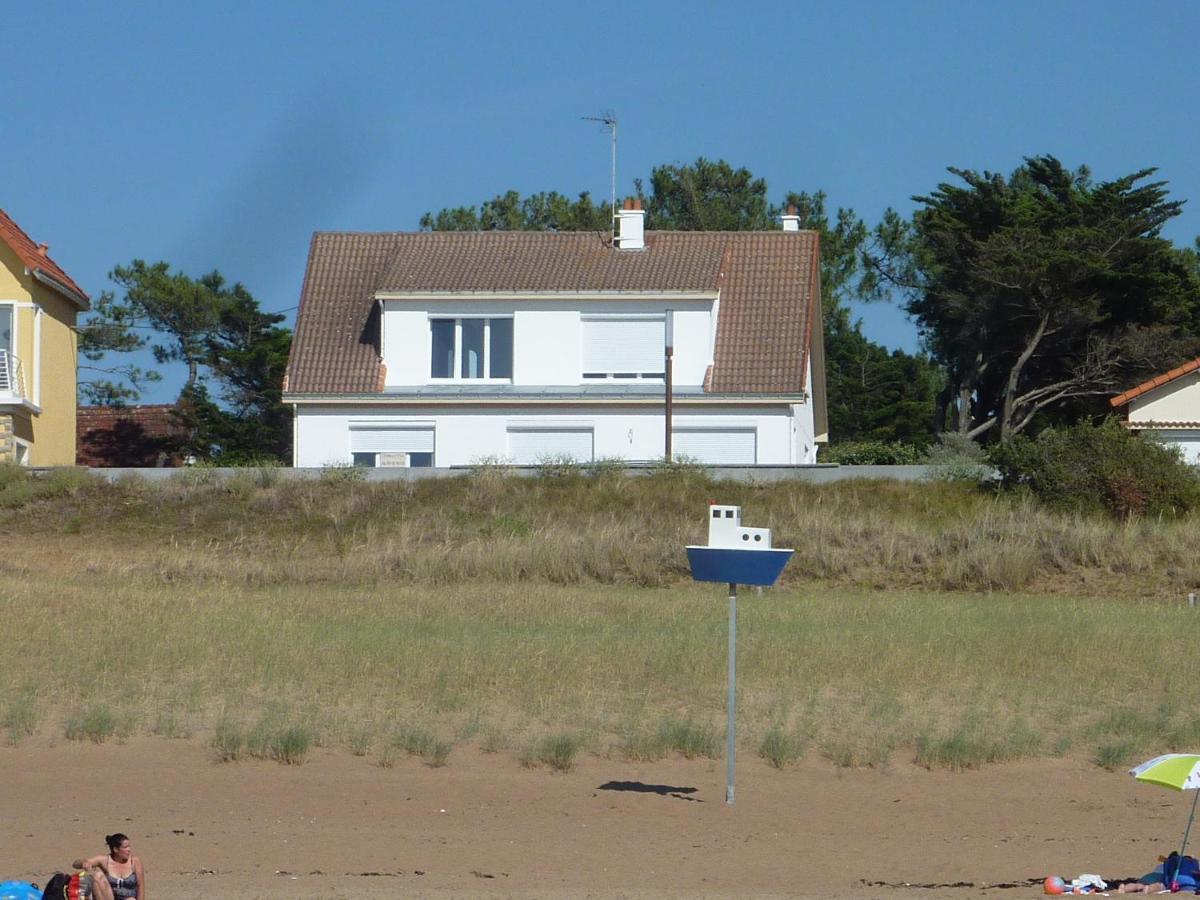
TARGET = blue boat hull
x,y
732,566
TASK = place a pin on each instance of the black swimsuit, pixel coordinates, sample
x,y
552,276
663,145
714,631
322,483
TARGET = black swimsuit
x,y
123,888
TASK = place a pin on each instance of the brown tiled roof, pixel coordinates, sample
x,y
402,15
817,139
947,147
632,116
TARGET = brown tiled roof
x,y
136,436
769,284
35,258
1156,381
542,261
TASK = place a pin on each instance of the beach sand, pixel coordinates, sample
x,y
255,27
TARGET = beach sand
x,y
484,826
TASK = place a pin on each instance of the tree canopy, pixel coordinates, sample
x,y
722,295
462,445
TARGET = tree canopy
x,y
1041,293
228,344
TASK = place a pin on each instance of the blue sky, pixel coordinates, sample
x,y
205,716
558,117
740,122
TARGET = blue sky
x,y
222,134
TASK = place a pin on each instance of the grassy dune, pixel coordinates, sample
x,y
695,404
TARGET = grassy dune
x,y
551,616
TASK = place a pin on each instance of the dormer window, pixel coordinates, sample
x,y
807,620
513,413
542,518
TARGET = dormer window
x,y
472,348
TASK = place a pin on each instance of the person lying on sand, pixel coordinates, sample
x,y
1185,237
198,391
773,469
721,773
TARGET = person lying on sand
x,y
1169,871
118,874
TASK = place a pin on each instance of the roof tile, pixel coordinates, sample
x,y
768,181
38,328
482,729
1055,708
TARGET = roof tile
x,y
34,259
768,282
1156,381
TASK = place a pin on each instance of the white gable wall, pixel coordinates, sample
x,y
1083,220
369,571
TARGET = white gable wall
x,y
547,336
1176,401
468,434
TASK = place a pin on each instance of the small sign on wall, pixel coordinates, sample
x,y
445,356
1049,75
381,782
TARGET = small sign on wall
x,y
393,461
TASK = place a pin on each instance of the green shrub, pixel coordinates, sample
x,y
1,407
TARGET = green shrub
x,y
341,473
418,742
558,751
1105,467
690,739
96,724
229,740
21,716
11,473
289,745
957,458
872,453
1116,754
780,747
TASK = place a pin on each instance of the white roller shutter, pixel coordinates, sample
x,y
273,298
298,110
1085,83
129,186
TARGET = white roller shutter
x,y
716,446
616,345
529,446
391,440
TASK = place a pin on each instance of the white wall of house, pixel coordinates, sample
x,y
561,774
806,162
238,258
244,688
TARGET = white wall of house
x,y
1176,401
467,434
548,336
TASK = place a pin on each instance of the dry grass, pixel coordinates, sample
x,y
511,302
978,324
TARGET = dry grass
x,y
572,530
951,626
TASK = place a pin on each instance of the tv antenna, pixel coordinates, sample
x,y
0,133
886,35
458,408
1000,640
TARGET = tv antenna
x,y
609,121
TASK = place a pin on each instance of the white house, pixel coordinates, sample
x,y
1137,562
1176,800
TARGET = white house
x,y
448,348
1168,405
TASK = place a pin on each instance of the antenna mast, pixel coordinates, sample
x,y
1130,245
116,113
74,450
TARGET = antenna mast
x,y
609,121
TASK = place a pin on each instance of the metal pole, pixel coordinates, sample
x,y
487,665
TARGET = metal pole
x,y
668,363
1186,832
730,729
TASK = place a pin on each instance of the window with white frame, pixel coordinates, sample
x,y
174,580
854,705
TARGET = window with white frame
x,y
471,348
386,447
624,347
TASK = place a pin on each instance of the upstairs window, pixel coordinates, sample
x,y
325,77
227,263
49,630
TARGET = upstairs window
x,y
472,348
624,347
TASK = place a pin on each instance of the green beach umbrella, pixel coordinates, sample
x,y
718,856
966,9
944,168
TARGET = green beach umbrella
x,y
1178,771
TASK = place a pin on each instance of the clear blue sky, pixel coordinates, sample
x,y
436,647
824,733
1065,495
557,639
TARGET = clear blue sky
x,y
222,134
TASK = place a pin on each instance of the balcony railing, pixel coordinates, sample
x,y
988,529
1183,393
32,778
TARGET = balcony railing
x,y
12,379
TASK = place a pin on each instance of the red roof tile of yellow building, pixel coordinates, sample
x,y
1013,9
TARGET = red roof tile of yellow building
x,y
36,258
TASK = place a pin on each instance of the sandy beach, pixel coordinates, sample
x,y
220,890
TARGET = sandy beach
x,y
483,826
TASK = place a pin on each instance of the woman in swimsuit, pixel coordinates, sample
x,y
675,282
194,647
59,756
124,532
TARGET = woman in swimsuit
x,y
117,875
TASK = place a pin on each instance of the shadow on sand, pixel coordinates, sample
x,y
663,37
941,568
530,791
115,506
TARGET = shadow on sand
x,y
663,790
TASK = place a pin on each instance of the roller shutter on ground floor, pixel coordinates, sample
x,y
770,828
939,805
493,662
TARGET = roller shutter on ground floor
x,y
716,446
391,446
529,446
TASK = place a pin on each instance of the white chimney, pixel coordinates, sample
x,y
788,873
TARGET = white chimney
x,y
631,234
791,220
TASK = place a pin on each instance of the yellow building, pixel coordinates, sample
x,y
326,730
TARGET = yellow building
x,y
39,304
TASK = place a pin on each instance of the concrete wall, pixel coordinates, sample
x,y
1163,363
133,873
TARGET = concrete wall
x,y
816,474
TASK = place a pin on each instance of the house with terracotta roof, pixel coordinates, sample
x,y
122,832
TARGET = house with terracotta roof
x,y
450,348
1168,405
39,305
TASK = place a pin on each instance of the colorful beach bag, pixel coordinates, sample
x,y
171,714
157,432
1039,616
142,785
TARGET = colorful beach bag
x,y
76,886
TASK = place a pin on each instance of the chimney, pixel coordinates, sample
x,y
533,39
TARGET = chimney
x,y
43,249
791,220
631,221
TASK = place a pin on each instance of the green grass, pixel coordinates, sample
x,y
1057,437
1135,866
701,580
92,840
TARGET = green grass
x,y
556,751
96,723
21,716
498,610
780,747
419,742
